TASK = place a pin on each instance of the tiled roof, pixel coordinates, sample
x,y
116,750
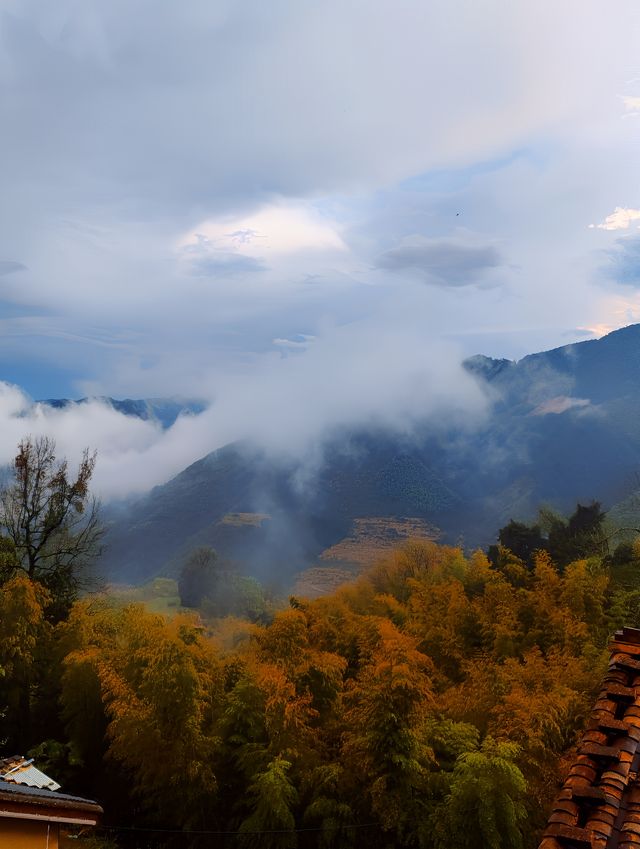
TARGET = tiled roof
x,y
599,804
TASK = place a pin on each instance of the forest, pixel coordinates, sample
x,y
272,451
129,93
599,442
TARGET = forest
x,y
434,702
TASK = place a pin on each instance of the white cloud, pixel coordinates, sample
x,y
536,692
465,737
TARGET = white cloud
x,y
620,219
374,373
384,372
271,231
631,104
301,341
96,425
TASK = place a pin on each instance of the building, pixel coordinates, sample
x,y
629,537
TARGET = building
x,y
36,817
599,804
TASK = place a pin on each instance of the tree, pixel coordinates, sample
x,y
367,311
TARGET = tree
x,y
199,577
521,540
49,522
160,686
581,536
387,704
271,823
23,633
484,809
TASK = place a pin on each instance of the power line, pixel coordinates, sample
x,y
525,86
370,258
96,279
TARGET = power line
x,y
136,829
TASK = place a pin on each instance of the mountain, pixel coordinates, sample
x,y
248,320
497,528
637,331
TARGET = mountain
x,y
164,411
564,427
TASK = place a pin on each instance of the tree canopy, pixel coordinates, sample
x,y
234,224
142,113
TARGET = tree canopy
x,y
429,703
49,523
581,535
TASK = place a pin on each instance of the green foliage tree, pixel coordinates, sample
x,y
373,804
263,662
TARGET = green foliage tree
x,y
199,577
580,536
522,540
328,808
271,823
236,595
485,806
49,522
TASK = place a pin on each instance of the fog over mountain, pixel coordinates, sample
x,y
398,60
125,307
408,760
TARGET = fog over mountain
x,y
361,376
554,428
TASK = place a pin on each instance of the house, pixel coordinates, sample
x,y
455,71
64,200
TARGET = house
x,y
34,816
599,804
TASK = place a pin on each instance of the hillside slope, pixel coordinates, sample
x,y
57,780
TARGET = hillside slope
x,y
564,426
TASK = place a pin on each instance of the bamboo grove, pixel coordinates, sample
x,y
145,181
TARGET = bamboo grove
x,y
429,704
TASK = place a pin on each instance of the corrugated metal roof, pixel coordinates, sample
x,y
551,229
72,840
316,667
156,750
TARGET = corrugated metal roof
x,y
27,773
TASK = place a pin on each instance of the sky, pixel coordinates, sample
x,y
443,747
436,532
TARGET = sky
x,y
304,214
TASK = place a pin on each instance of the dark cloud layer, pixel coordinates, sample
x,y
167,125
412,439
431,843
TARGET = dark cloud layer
x,y
445,262
8,266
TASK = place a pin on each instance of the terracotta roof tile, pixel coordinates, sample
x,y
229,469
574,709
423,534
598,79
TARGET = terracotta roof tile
x,y
599,804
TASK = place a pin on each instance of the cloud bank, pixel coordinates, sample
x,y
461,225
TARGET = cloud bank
x,y
365,375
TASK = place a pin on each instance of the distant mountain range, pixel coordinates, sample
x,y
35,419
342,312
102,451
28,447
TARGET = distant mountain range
x,y
164,411
564,427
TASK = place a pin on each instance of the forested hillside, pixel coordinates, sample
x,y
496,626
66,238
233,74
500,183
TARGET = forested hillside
x,y
561,427
430,704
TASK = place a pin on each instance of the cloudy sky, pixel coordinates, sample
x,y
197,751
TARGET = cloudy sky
x,y
282,206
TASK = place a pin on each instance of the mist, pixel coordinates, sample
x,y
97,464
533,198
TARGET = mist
x,y
365,375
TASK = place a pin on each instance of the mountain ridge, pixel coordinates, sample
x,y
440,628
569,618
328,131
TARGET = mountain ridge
x,y
164,411
563,428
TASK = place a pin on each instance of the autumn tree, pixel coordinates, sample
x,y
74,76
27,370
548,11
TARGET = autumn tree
x,y
402,710
159,683
384,747
23,633
49,521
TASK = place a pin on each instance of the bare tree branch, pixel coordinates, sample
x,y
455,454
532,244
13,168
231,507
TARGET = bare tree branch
x,y
51,519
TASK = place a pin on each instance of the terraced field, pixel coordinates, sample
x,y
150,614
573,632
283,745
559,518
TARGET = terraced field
x,y
370,539
373,536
